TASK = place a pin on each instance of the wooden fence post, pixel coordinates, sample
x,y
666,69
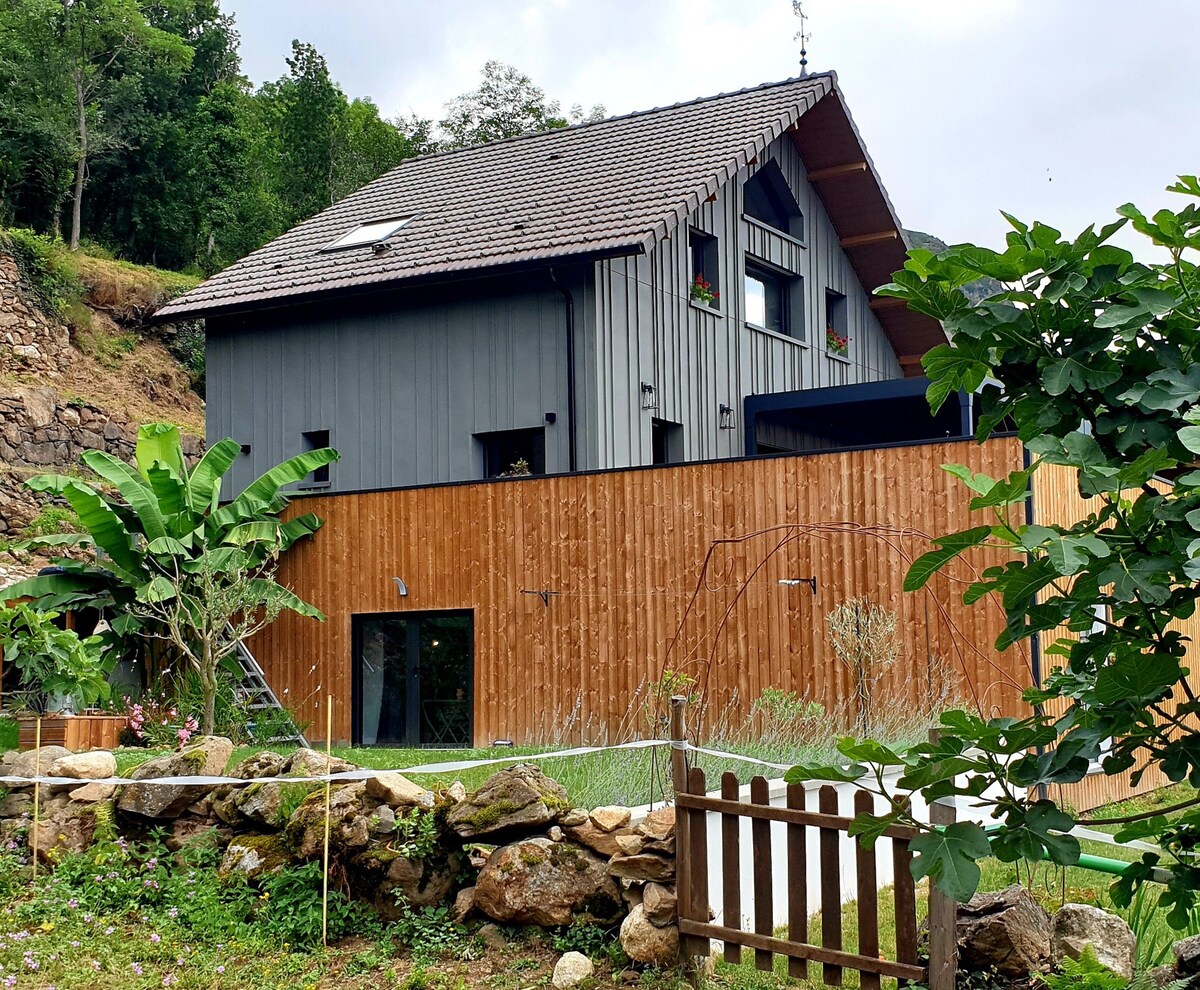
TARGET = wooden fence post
x,y
689,945
943,919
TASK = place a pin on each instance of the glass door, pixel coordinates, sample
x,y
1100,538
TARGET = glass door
x,y
412,679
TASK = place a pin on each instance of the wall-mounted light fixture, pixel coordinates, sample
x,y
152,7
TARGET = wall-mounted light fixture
x,y
401,588
649,396
725,416
793,582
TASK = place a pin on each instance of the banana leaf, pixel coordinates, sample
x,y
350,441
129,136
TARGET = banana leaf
x,y
171,491
268,590
265,490
204,480
160,442
105,527
133,488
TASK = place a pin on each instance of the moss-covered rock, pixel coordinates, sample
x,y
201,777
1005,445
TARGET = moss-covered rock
x,y
255,855
206,756
540,882
519,798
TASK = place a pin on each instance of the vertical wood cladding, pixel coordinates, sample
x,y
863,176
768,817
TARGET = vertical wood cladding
x,y
624,553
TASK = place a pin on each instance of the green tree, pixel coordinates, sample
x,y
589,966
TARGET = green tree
x,y
507,103
177,565
96,38
1094,357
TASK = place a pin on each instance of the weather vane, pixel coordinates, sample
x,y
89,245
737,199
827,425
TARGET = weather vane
x,y
802,35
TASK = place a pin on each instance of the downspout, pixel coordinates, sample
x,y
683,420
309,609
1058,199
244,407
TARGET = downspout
x,y
570,333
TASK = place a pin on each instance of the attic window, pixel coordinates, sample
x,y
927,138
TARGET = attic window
x,y
768,200
368,233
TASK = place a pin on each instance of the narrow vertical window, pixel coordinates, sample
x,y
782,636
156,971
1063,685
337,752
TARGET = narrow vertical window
x,y
837,332
666,442
705,282
317,440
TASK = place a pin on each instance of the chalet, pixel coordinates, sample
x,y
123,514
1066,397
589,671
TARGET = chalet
x,y
548,363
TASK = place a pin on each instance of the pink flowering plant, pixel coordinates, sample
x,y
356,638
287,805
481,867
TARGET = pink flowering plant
x,y
157,722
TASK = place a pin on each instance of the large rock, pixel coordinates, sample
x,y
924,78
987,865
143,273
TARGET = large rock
x,y
94,765
610,818
1187,955
68,828
571,970
607,844
646,943
1007,932
661,904
389,880
1076,926
310,763
349,820
397,791
205,757
643,866
261,803
540,882
659,825
92,792
26,764
255,855
520,797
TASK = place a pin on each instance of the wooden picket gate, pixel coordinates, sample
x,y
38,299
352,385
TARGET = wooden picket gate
x,y
694,805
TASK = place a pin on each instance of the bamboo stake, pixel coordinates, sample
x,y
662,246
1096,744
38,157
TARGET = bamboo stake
x,y
325,872
37,791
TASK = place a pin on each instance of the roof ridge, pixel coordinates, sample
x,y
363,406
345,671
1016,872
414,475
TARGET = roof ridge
x,y
616,118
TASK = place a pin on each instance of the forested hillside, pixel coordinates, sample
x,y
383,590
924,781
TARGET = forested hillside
x,y
129,123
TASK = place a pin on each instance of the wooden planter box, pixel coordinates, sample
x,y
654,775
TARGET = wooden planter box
x,y
76,732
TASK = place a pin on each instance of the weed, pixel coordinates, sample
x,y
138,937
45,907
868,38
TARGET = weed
x,y
45,266
429,932
290,909
52,519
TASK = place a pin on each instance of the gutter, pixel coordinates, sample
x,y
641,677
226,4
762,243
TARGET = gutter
x,y
569,299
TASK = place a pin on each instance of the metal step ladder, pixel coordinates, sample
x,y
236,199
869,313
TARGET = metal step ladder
x,y
252,688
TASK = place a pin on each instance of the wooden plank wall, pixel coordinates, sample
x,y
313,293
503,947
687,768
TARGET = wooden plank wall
x,y
1057,501
624,552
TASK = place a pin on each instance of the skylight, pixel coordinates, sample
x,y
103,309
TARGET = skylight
x,y
368,233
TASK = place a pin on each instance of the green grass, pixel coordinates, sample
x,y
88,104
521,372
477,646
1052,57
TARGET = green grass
x,y
8,733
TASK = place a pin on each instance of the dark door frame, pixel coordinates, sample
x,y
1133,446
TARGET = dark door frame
x,y
412,713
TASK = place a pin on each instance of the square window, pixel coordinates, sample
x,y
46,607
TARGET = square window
x,y
774,299
513,453
705,282
666,442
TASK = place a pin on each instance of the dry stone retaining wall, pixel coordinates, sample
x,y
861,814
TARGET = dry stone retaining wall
x,y
515,851
29,341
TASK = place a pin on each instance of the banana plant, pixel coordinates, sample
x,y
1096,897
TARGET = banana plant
x,y
165,532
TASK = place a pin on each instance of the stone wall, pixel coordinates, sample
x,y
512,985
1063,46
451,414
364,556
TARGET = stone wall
x,y
29,341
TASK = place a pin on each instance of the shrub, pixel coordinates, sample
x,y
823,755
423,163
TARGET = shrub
x,y
46,267
291,909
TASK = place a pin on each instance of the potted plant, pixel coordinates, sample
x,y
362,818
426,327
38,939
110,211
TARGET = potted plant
x,y
835,343
703,292
58,673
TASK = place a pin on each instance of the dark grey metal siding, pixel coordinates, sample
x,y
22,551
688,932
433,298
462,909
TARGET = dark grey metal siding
x,y
402,381
648,330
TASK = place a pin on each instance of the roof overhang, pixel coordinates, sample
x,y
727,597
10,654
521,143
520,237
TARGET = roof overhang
x,y
843,175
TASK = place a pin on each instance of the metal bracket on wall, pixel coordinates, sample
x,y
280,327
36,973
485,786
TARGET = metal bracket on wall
x,y
544,595
792,582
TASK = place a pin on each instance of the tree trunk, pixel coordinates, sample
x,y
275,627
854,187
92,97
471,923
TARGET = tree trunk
x,y
80,164
208,686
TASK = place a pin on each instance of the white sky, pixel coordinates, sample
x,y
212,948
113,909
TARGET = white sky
x,y
1057,110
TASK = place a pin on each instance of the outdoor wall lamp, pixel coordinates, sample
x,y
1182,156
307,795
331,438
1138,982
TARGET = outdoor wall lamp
x,y
793,582
725,416
401,588
649,396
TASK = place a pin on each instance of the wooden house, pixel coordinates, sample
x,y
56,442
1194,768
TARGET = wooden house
x,y
611,400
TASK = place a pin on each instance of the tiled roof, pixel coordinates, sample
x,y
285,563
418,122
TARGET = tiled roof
x,y
610,187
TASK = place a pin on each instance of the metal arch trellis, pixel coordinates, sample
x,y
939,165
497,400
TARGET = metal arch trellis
x,y
890,536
